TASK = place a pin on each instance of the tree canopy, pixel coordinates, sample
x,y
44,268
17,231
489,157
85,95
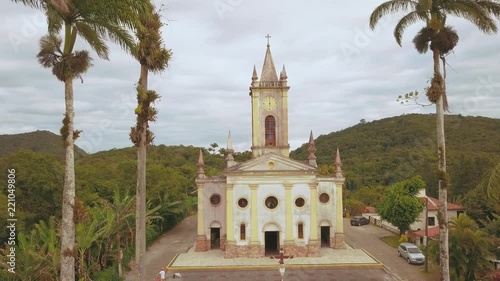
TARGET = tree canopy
x,y
400,205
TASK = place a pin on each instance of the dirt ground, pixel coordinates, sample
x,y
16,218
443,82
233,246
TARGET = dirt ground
x,y
163,250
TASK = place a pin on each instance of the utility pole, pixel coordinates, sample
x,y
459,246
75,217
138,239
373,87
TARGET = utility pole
x,y
426,231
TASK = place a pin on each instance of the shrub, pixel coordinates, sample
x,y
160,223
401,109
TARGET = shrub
x,y
403,239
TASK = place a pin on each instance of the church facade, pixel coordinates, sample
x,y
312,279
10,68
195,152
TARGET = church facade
x,y
271,201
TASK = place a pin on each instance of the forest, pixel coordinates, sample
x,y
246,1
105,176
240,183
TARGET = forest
x,y
375,155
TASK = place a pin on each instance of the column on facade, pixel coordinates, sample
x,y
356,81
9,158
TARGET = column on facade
x,y
255,249
313,188
339,224
229,213
288,213
202,244
254,216
339,240
201,211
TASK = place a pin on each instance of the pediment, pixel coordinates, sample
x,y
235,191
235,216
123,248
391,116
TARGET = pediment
x,y
271,162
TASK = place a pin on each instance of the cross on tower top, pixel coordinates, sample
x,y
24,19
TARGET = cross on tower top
x,y
268,36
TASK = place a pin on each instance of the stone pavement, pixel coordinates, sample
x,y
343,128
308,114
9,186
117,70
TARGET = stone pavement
x,y
328,257
349,264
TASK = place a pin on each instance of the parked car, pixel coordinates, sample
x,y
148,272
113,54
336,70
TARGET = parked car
x,y
411,253
359,220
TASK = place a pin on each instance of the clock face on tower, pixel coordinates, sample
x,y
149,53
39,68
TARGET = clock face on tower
x,y
269,103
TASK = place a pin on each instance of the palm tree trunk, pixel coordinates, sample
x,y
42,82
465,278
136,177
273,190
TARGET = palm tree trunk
x,y
140,239
118,246
68,224
443,188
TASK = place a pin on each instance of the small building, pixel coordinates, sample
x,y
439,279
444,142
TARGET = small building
x,y
431,207
417,229
271,201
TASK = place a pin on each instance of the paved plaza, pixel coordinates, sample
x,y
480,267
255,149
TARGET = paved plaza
x,y
348,264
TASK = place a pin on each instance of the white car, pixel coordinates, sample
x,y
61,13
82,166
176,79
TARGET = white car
x,y
411,253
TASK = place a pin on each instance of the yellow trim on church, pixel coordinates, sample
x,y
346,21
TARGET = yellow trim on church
x,y
229,213
254,215
288,212
339,216
313,188
201,223
255,118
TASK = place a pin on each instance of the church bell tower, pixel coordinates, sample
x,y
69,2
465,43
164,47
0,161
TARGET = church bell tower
x,y
269,109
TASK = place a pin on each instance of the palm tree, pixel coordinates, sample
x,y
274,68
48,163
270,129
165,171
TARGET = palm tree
x,y
123,209
152,56
94,22
88,234
490,184
469,248
441,39
38,254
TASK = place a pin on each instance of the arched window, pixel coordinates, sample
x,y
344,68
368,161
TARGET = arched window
x,y
270,131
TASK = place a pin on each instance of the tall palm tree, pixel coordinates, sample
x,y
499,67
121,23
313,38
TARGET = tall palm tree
x,y
152,56
440,39
94,22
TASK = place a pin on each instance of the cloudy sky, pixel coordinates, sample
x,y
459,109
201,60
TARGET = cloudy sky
x,y
339,71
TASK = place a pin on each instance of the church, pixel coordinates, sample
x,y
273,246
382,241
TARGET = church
x,y
255,208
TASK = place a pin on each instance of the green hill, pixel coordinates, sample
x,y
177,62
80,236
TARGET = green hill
x,y
374,153
386,151
39,141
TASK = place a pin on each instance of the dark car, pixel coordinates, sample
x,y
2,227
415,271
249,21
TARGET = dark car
x,y
359,220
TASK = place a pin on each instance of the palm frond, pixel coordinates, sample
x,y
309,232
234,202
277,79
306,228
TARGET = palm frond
x,y
491,183
72,66
403,23
90,34
425,5
124,13
491,6
121,36
37,4
422,40
391,6
50,51
472,12
54,19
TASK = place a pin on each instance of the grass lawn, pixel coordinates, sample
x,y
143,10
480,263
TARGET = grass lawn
x,y
392,240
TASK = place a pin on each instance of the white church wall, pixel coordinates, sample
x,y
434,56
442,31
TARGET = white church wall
x,y
303,214
275,216
214,213
242,215
327,211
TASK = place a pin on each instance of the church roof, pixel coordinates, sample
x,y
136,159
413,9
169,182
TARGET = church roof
x,y
271,162
268,69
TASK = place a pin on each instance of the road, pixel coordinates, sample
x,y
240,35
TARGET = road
x,y
163,250
368,237
181,238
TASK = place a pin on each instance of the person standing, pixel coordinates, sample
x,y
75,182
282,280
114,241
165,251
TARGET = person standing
x,y
162,274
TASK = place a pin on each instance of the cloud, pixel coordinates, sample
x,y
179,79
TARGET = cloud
x,y
339,70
